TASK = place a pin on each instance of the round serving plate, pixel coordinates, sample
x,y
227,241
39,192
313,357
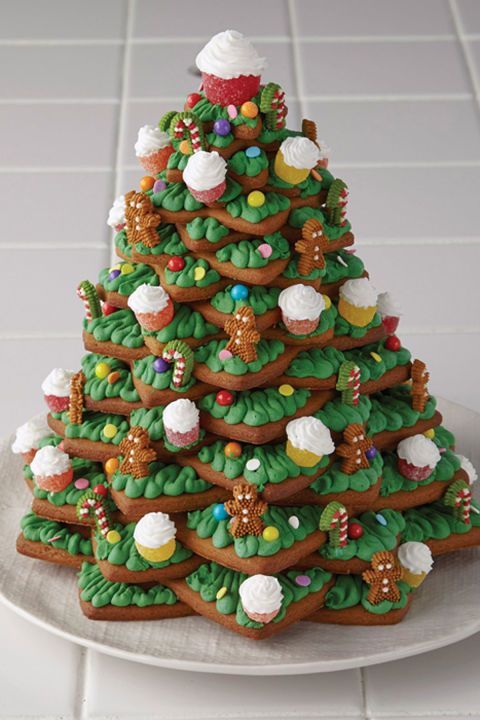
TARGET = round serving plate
x,y
445,608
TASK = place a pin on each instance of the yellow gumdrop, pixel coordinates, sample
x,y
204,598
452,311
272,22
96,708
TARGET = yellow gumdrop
x,y
110,431
126,269
327,301
221,593
376,357
270,534
286,390
430,434
111,466
199,273
113,536
256,198
102,369
184,147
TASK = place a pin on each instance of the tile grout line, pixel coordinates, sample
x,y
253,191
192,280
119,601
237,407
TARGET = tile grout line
x,y
363,688
297,64
79,700
466,51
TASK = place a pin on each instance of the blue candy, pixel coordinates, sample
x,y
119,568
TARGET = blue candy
x,y
219,512
253,152
380,519
239,292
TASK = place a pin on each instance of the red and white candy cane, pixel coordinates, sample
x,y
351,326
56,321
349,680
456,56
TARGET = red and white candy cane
x,y
354,384
188,124
181,355
334,520
87,293
342,203
459,497
92,505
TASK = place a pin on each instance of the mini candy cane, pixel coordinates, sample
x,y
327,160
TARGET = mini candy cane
x,y
272,103
336,202
189,125
180,354
459,497
92,505
334,520
88,295
348,382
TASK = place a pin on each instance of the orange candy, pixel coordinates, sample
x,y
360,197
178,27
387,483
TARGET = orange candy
x,y
113,377
249,109
147,182
111,466
232,449
184,147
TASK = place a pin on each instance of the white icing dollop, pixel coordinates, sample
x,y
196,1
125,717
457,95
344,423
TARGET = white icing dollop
x,y
148,299
359,292
29,434
420,451
228,55
154,530
116,215
309,433
300,152
467,466
204,170
50,460
150,139
58,382
388,306
181,415
415,557
261,594
301,302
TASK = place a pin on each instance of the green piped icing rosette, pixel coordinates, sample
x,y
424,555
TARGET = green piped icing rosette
x,y
267,351
120,328
241,164
186,323
300,215
144,371
170,243
185,278
102,388
151,419
256,407
93,425
308,187
327,320
269,136
291,272
127,282
274,204
245,253
206,228
343,327
436,522
336,415
260,298
125,553
376,537
70,495
350,590
220,141
341,265
176,197
392,410
100,592
167,480
209,112
210,577
336,481
205,525
122,244
54,534
275,465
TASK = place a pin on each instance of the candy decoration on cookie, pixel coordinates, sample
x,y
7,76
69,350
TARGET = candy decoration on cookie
x,y
382,577
389,311
295,158
76,398
137,453
181,421
420,378
334,520
56,389
243,333
92,505
354,449
187,126
153,148
311,247
337,198
205,175
308,440
141,219
52,469
272,104
246,510
87,293
309,129
459,497
261,597
348,382
153,307
181,355
154,537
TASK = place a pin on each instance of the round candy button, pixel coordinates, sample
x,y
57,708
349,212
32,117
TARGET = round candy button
x,y
160,365
265,250
224,398
146,183
113,536
256,198
253,151
270,533
225,354
253,464
176,263
239,292
219,512
232,111
193,99
232,450
286,390
199,273
221,127
110,430
249,109
82,483
100,490
113,274
111,466
159,186
303,580
102,370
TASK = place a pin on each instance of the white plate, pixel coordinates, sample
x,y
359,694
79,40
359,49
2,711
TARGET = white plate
x,y
445,609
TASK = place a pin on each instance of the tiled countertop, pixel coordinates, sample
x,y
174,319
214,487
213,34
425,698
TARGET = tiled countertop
x,y
395,89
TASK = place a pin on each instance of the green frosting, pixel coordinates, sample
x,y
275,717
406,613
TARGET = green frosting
x,y
319,363
436,522
269,136
376,537
336,481
336,415
100,388
392,410
291,272
343,327
54,534
267,351
168,480
186,323
143,370
207,228
125,284
220,141
209,112
186,278
349,266
274,204
307,187
176,197
260,298
245,254
92,427
125,553
241,164
350,590
120,328
205,525
100,592
151,419
256,407
70,495
210,577
300,215
122,244
170,243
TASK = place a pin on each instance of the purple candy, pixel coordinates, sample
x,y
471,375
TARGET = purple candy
x,y
114,274
159,186
371,453
160,365
221,127
303,580
82,483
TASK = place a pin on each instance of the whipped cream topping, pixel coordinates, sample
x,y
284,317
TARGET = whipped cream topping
x,y
204,170
301,302
359,293
228,55
181,415
420,451
148,299
300,152
50,460
116,214
261,594
415,557
467,466
28,435
154,530
388,306
309,433
57,382
150,139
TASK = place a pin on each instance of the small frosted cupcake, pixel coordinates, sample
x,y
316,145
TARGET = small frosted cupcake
x,y
418,456
358,302
52,469
389,311
231,68
154,537
56,389
261,597
181,420
301,307
468,468
28,437
295,158
205,176
116,216
308,440
416,561
153,148
153,307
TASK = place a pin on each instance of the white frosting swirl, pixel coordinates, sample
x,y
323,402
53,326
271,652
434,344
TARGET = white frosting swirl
x,y
420,451
387,305
29,434
154,530
50,460
301,302
467,466
204,170
228,55
261,594
116,215
57,382
308,433
150,139
415,557
181,415
359,293
148,299
300,152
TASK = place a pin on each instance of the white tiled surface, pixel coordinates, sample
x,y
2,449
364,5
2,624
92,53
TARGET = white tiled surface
x,y
395,88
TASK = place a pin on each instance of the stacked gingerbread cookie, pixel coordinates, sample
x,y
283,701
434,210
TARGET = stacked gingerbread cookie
x,y
246,437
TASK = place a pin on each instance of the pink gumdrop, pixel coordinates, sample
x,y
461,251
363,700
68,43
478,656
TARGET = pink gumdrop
x,y
232,111
225,354
265,250
82,483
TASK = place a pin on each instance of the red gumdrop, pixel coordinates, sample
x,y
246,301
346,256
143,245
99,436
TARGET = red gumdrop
x,y
393,343
355,531
193,99
100,490
224,397
108,309
176,263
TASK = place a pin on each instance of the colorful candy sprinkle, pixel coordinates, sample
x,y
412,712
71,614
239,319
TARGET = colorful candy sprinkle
x,y
102,370
294,522
113,377
113,275
430,434
82,483
110,431
239,292
147,182
111,465
113,536
160,365
199,273
232,111
341,261
253,151
380,519
224,398
265,250
159,186
249,109
286,390
176,263
376,357
221,127
225,354
219,512
126,269
221,593
256,198
252,464
54,538
303,580
270,533
232,449
184,147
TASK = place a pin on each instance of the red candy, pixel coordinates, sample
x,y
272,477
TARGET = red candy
x,y
393,343
108,309
193,99
100,490
224,397
176,263
355,531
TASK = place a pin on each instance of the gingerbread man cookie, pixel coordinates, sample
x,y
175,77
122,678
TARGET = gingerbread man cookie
x,y
137,453
246,510
382,577
141,219
420,378
354,448
311,247
76,398
244,336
